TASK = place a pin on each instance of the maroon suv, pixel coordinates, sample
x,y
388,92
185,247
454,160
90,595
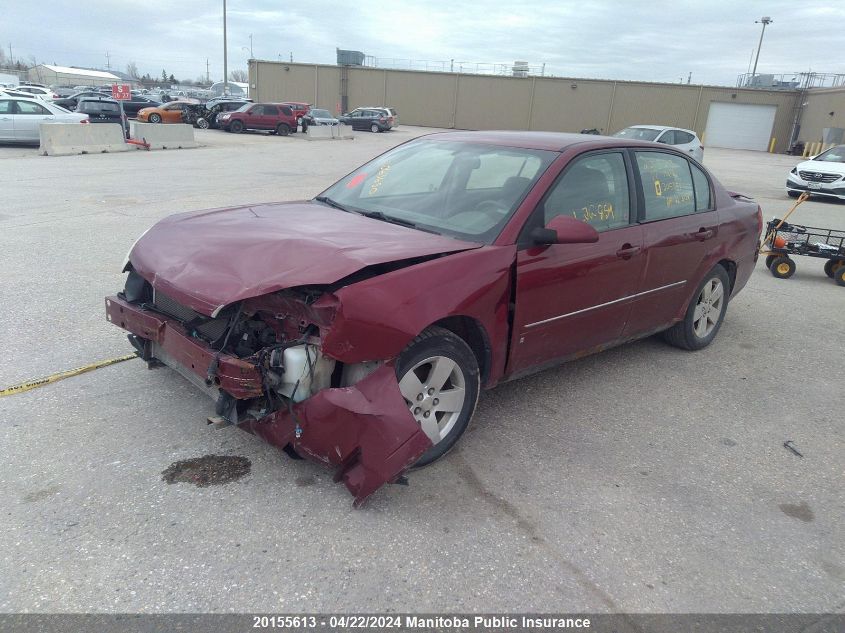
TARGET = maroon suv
x,y
259,116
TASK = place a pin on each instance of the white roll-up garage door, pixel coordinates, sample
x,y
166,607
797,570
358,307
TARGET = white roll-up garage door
x,y
740,125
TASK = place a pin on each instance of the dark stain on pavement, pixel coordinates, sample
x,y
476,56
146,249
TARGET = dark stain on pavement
x,y
40,495
800,511
208,470
308,480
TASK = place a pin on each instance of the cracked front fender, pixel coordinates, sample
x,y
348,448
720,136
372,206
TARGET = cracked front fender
x,y
365,431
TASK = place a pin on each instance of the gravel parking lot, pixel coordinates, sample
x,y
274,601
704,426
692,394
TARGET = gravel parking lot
x,y
642,479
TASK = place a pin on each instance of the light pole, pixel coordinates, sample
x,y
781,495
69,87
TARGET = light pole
x,y
765,21
225,58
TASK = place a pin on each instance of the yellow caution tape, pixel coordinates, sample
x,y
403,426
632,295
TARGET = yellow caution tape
x,y
40,382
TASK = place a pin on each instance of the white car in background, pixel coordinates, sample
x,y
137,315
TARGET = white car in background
x,y
21,119
38,91
822,175
685,140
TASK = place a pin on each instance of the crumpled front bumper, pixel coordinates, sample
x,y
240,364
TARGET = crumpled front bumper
x,y
365,431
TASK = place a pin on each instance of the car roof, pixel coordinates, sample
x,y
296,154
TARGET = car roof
x,y
550,141
659,127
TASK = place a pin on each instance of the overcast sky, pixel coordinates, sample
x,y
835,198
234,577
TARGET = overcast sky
x,y
609,39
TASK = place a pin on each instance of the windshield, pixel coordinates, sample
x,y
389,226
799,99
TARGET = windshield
x,y
321,114
464,190
638,133
244,107
833,155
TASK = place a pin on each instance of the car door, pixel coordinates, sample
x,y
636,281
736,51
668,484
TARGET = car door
x,y
172,113
7,121
681,233
269,117
28,117
571,298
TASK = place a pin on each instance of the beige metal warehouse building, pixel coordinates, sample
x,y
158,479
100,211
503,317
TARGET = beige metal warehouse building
x,y
740,118
67,76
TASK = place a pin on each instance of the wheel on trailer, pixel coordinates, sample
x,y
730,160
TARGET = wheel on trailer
x,y
782,267
770,259
832,265
839,276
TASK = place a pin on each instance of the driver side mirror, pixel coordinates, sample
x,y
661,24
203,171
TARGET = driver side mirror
x,y
563,229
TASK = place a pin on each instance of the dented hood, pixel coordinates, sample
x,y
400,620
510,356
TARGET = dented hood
x,y
209,259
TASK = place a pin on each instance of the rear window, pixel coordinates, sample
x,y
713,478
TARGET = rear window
x,y
99,107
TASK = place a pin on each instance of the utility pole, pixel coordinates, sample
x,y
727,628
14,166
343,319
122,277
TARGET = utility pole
x,y
207,72
689,77
108,61
225,59
251,56
765,21
10,54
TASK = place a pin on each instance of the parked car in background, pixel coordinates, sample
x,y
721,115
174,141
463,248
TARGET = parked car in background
x,y
69,103
338,329
40,91
14,92
372,119
104,111
137,103
822,175
21,118
300,109
278,119
392,113
214,107
317,116
685,140
62,92
165,113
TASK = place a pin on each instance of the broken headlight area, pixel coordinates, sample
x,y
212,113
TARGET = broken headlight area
x,y
278,334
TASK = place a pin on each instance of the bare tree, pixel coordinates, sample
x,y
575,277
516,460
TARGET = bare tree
x,y
239,75
132,70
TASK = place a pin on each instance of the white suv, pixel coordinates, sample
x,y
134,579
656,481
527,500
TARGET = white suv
x,y
685,140
38,91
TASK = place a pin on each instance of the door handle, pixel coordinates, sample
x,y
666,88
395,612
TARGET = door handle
x,y
627,251
704,234
4,118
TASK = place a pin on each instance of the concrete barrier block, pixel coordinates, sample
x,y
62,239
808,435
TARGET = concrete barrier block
x,y
65,139
318,132
343,131
164,135
321,132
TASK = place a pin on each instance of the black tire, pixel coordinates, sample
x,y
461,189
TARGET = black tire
x,y
155,117
439,342
770,259
683,333
236,126
375,128
839,276
782,267
832,265
793,194
202,123
282,129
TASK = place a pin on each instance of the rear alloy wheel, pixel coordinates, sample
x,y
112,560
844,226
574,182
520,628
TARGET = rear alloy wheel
x,y
439,380
202,123
705,313
282,129
831,266
782,267
375,128
155,118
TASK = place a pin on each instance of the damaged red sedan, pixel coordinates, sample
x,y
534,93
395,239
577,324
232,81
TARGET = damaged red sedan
x,y
357,328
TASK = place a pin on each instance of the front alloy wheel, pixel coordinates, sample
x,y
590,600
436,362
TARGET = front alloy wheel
x,y
439,380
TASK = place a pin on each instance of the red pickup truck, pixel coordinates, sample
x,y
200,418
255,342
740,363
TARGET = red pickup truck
x,y
274,117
